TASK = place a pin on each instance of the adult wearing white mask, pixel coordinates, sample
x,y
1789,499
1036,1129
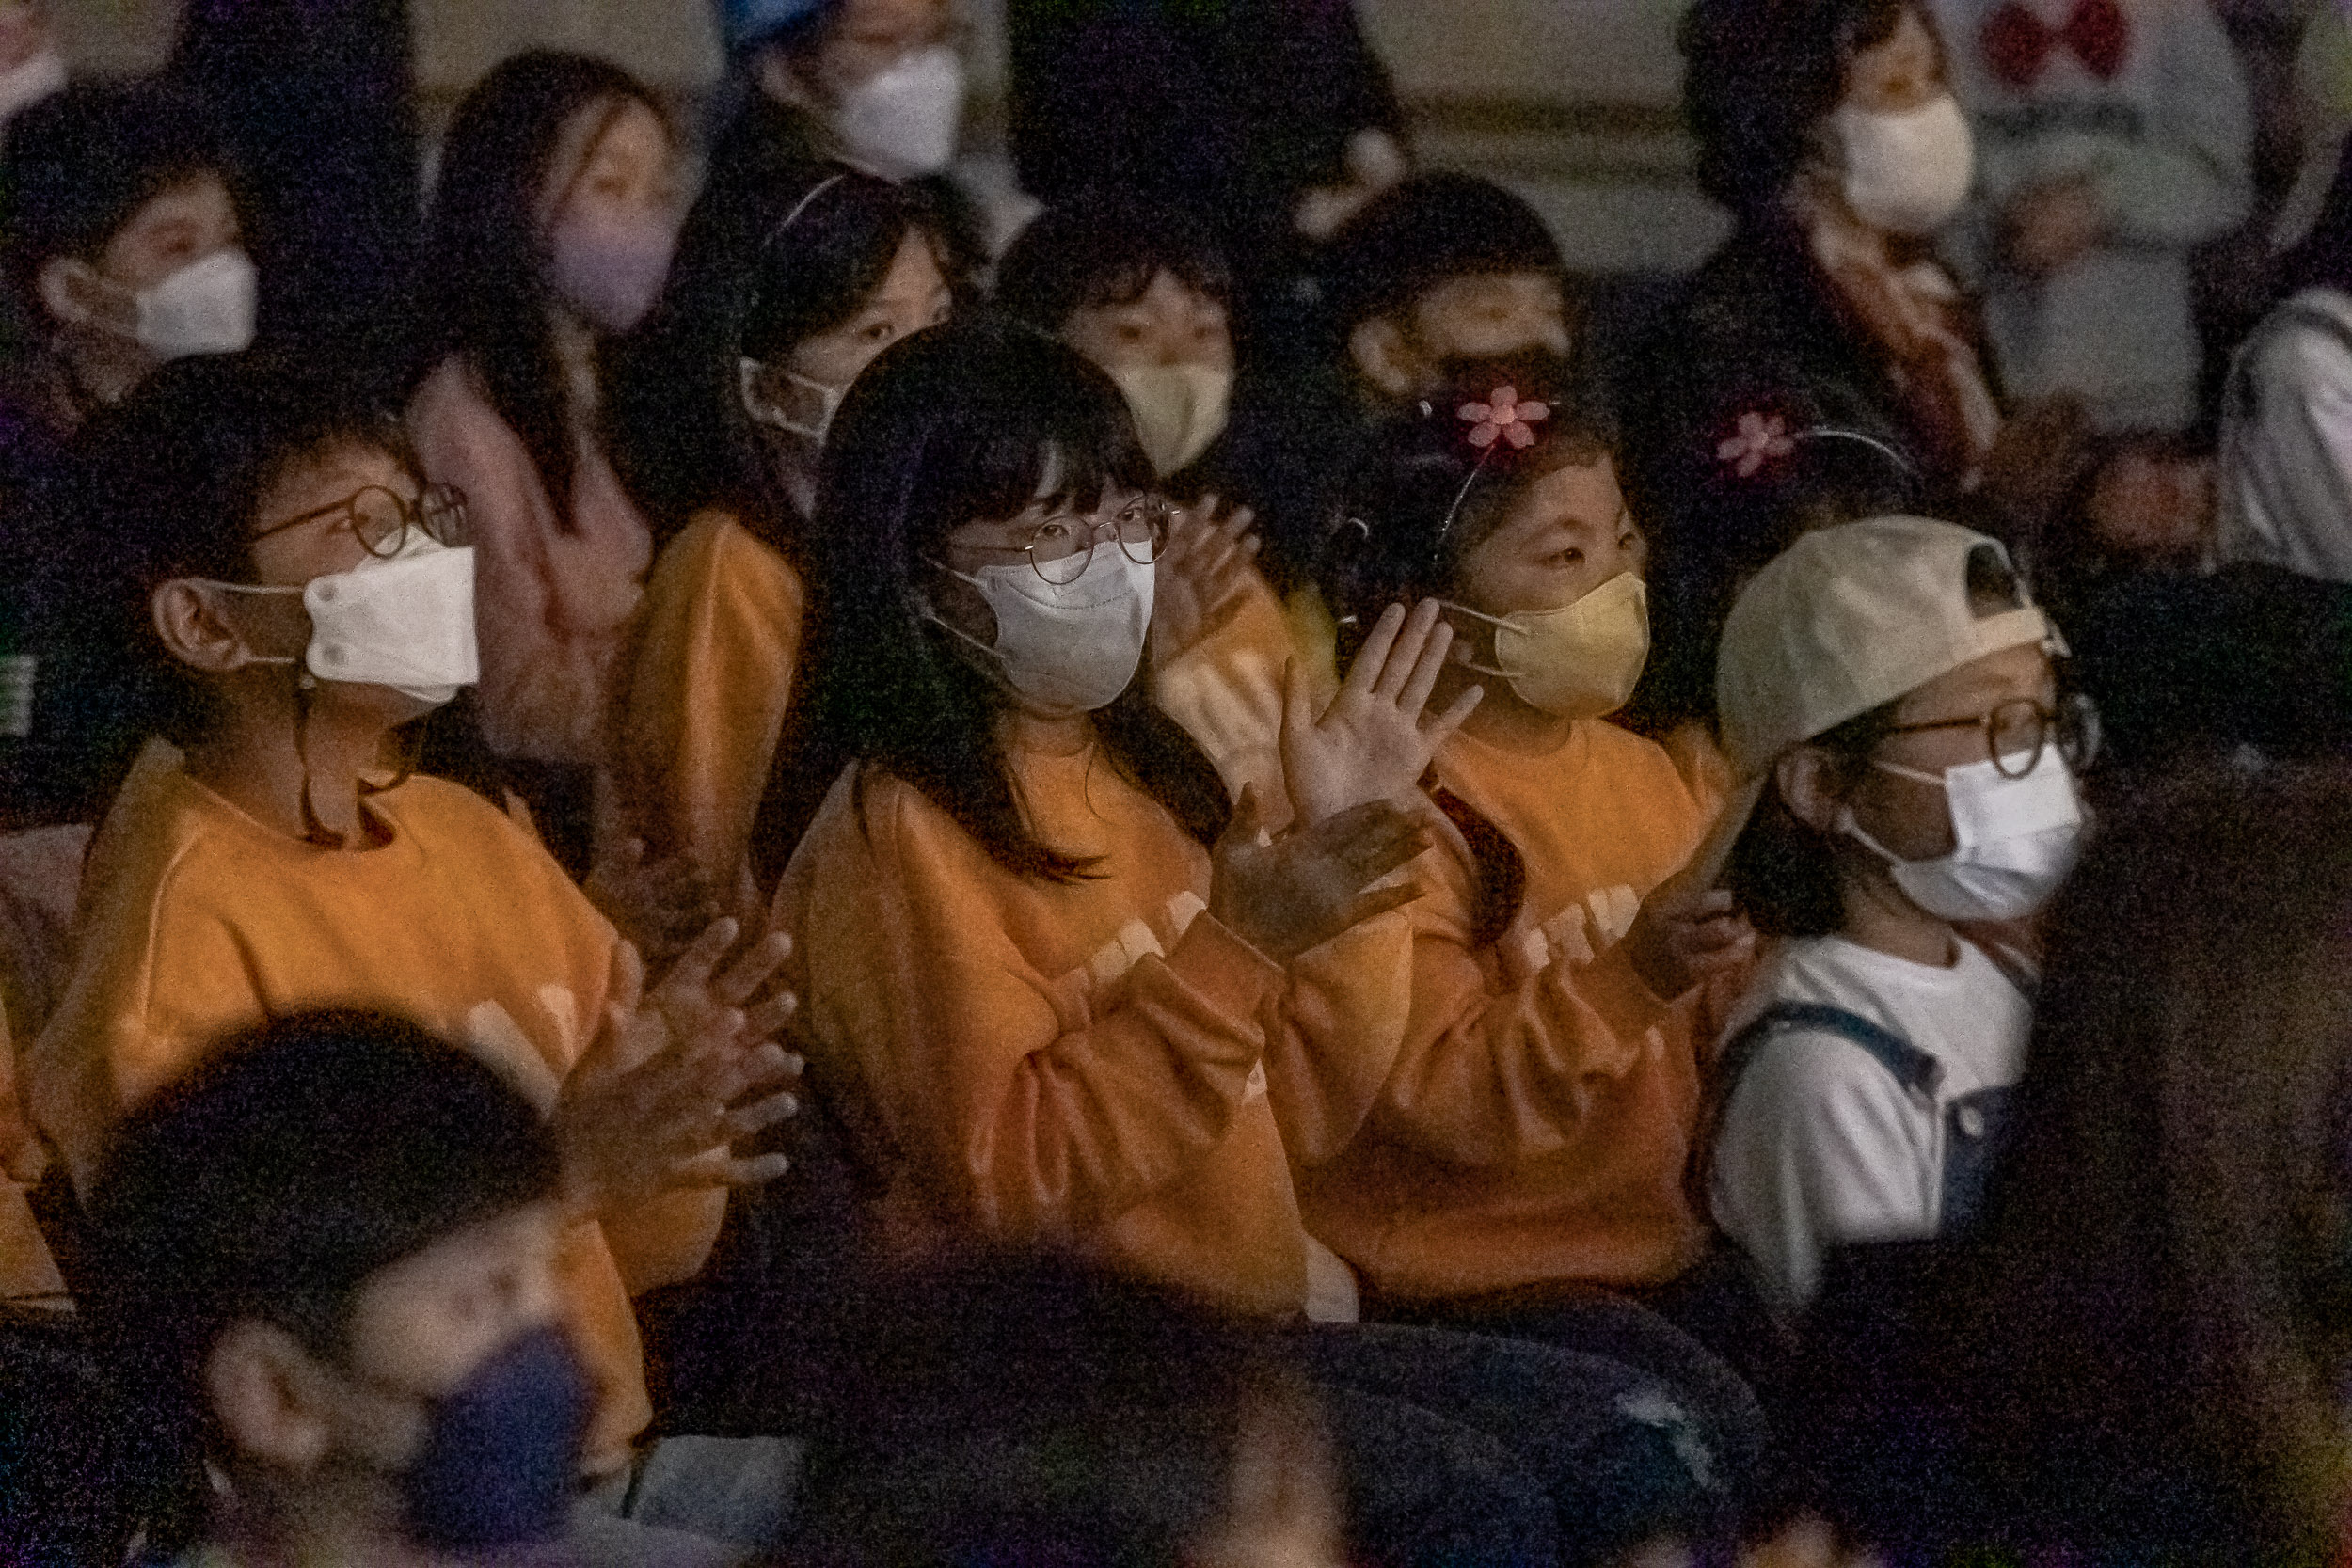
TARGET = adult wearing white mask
x,y
1829,130
1888,692
551,234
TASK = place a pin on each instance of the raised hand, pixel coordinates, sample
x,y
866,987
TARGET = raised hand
x,y
674,1080
1374,739
1315,883
1203,568
1683,935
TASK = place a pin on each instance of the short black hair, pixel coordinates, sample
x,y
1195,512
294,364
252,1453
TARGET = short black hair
x,y
169,480
1430,228
302,1157
1105,248
79,164
1760,78
1783,874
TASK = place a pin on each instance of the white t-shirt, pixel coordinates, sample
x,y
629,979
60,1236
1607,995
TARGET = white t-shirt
x,y
1820,1142
2285,485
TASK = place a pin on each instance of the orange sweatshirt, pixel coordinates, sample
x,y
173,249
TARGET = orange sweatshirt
x,y
195,921
721,646
1086,1063
1533,1126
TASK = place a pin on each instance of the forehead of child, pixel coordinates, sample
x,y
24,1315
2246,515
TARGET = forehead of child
x,y
1972,690
316,482
911,294
868,33
425,1321
612,151
185,221
1901,71
1464,312
1572,504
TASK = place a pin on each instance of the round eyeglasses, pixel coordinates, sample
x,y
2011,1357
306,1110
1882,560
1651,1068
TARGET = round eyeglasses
x,y
381,520
1061,547
2016,731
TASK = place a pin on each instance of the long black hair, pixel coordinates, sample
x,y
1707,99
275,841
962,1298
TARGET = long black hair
x,y
784,261
491,291
1412,508
957,424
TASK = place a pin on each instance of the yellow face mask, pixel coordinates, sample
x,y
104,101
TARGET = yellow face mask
x,y
1579,662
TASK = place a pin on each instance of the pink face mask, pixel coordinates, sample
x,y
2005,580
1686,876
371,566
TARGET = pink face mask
x,y
611,271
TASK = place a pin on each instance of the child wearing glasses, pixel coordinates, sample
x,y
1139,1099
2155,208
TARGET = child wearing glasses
x,y
1887,692
301,600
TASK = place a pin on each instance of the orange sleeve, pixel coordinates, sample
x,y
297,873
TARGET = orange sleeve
x,y
1492,1069
713,678
1333,1034
1020,1101
1226,690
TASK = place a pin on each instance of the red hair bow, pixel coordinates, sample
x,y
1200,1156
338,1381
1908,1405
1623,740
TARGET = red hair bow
x,y
2017,43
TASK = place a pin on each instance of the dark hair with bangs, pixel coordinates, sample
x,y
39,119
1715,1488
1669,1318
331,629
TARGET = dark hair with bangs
x,y
1760,77
490,260
956,425
1105,249
785,261
174,474
1421,496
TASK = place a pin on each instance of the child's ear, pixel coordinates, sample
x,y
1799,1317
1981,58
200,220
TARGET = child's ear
x,y
265,1394
191,620
1382,357
1803,777
66,285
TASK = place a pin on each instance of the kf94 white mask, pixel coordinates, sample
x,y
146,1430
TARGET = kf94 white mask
x,y
208,307
1579,662
407,623
902,122
1179,410
2014,840
816,402
1068,649
1907,173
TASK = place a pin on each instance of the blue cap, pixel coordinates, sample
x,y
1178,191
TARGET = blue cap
x,y
743,24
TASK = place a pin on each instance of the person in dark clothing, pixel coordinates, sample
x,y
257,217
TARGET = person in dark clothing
x,y
1827,128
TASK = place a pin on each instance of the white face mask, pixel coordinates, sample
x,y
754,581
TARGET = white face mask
x,y
818,403
207,307
407,623
1907,173
1179,409
902,121
611,273
1579,662
1069,649
2014,840
31,82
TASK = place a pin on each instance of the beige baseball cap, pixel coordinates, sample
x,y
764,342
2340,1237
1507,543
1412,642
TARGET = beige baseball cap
x,y
1851,618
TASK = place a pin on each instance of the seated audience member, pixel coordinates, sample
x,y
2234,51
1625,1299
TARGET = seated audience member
x,y
2140,1358
1440,271
1059,991
2113,140
879,85
32,66
725,412
335,1289
2286,413
1530,1088
1889,698
1829,130
303,598
550,233
1143,293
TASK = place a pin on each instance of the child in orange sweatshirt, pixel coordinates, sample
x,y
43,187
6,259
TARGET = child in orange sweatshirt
x,y
719,418
1541,1077
305,598
1060,992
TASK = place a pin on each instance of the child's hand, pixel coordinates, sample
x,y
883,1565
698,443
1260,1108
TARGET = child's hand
x,y
659,907
1203,567
672,1083
1310,884
1682,936
2053,226
1374,739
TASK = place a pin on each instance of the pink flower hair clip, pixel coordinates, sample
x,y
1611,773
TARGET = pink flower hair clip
x,y
1503,417
1759,438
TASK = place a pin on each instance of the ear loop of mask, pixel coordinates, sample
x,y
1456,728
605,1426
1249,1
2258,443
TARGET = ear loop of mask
x,y
314,831
746,367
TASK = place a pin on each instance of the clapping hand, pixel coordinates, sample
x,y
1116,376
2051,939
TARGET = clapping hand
x,y
1374,739
1306,887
